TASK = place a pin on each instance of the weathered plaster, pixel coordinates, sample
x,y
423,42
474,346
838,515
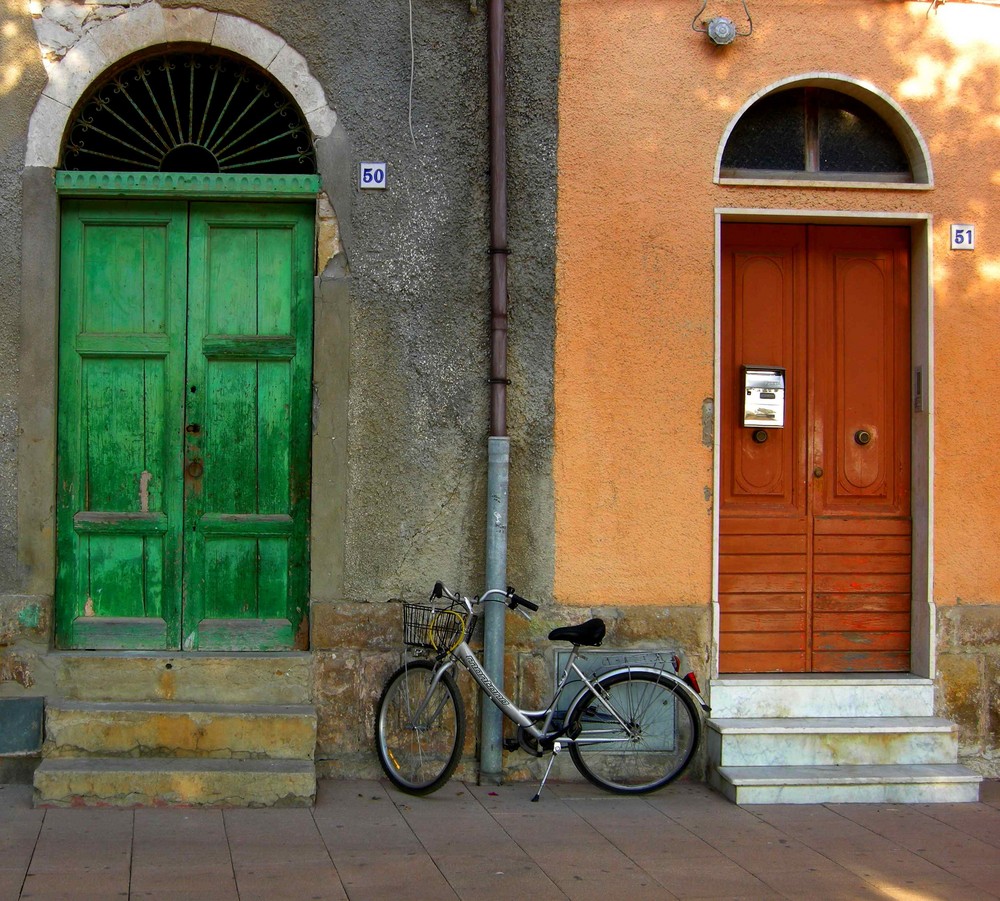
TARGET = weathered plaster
x,y
422,259
401,302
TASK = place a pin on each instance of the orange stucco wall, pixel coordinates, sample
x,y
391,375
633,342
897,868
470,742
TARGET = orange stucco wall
x,y
644,103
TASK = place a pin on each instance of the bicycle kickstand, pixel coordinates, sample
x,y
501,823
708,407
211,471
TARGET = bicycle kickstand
x,y
556,748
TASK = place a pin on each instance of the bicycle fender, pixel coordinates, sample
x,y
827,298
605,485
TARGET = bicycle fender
x,y
661,675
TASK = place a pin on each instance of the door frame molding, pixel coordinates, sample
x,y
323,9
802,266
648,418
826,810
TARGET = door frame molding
x,y
922,620
186,206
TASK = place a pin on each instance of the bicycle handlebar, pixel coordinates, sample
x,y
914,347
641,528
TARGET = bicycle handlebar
x,y
513,600
517,601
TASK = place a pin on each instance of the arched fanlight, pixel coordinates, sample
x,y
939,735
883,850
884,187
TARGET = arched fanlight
x,y
189,112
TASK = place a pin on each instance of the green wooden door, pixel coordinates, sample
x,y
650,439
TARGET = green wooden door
x,y
184,425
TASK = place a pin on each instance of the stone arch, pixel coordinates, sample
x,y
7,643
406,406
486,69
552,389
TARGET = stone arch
x,y
878,101
149,25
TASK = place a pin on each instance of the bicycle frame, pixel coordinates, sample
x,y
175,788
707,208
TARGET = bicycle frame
x,y
529,719
618,707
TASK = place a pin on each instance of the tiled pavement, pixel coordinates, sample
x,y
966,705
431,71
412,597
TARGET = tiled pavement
x,y
365,841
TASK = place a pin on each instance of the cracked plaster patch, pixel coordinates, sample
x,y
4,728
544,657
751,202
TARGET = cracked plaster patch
x,y
290,68
190,24
60,24
74,73
49,118
247,39
134,30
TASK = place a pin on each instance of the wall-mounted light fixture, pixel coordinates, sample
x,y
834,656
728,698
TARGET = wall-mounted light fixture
x,y
720,29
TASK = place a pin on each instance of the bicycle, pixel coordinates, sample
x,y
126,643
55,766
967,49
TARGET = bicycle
x,y
629,730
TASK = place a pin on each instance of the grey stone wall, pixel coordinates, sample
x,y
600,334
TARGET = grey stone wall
x,y
416,258
419,270
406,304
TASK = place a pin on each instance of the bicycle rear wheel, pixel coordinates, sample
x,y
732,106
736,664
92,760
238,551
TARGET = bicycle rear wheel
x,y
419,729
661,733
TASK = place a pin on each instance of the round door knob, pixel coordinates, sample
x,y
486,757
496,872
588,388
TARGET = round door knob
x,y
818,472
195,469
863,437
760,436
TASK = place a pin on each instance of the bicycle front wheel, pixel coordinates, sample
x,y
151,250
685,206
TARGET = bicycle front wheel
x,y
419,728
656,743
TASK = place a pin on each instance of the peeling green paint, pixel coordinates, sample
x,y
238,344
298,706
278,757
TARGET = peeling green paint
x,y
30,617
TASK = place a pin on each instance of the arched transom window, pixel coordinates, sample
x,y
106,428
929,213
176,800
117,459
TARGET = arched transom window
x,y
189,112
818,133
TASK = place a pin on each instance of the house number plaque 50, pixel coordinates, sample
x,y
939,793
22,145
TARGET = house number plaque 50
x,y
372,175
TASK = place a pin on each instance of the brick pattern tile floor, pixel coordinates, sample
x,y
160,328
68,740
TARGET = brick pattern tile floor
x,y
365,842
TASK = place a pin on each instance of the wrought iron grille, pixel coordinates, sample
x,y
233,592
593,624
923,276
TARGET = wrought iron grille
x,y
188,112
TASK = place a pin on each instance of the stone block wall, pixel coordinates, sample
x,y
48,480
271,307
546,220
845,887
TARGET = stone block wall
x,y
25,626
357,646
968,683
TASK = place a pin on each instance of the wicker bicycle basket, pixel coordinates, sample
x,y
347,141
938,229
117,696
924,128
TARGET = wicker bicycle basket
x,y
435,628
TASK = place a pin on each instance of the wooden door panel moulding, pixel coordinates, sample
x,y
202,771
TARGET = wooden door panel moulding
x,y
844,451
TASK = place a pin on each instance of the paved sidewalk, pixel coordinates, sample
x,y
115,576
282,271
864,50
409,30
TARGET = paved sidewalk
x,y
364,841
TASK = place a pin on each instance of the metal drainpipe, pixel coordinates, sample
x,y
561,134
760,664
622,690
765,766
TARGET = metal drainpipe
x,y
491,737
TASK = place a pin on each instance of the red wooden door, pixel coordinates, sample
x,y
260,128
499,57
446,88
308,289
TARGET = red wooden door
x,y
814,565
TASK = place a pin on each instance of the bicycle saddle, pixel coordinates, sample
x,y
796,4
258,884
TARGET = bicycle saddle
x,y
589,634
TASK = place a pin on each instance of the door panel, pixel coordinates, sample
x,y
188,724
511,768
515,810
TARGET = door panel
x,y
860,355
124,273
248,417
184,425
764,561
815,521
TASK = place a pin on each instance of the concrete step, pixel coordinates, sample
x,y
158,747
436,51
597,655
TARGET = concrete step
x,y
811,695
889,784
205,678
797,741
157,782
177,729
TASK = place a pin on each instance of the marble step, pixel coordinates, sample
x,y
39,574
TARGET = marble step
x,y
811,695
175,729
150,782
883,784
795,741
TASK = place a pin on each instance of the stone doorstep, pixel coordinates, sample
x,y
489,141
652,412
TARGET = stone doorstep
x,y
816,695
892,784
832,741
846,725
110,782
276,678
173,729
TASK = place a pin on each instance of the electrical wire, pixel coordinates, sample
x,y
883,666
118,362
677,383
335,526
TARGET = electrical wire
x,y
409,114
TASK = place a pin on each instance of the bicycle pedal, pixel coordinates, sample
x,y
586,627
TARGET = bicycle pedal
x,y
511,744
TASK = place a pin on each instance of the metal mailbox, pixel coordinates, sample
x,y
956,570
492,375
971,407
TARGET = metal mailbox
x,y
763,397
